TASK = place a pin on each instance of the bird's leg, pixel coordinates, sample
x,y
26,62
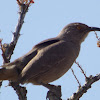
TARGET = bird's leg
x,y
54,92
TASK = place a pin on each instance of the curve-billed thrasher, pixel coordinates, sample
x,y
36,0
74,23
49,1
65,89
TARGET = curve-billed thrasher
x,y
50,59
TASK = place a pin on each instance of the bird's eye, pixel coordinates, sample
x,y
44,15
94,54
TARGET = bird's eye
x,y
78,27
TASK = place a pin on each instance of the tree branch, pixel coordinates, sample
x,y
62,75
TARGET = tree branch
x,y
89,81
7,49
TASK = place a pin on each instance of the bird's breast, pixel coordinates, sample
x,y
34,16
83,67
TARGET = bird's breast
x,y
56,61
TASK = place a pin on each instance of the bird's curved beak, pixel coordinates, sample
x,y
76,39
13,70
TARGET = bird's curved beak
x,y
94,29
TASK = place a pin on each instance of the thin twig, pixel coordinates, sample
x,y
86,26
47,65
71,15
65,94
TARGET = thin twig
x,y
76,77
97,36
81,69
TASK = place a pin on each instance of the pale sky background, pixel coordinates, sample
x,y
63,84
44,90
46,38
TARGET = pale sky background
x,y
45,19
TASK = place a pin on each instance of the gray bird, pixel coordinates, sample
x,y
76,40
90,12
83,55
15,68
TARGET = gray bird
x,y
50,59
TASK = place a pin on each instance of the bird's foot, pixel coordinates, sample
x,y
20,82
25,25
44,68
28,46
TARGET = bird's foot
x,y
54,92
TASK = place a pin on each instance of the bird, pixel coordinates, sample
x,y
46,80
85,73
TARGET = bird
x,y
50,59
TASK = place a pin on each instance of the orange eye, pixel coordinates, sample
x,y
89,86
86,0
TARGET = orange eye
x,y
78,27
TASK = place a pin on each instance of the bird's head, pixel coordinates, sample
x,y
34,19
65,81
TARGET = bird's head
x,y
76,32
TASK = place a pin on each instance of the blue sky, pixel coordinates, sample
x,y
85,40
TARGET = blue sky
x,y
45,19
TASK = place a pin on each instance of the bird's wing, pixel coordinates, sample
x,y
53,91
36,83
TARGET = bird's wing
x,y
43,60
46,43
32,53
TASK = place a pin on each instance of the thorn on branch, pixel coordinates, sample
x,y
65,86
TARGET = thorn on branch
x,y
15,38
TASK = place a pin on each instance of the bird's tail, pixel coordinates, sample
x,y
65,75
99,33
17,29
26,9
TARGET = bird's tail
x,y
11,71
8,72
